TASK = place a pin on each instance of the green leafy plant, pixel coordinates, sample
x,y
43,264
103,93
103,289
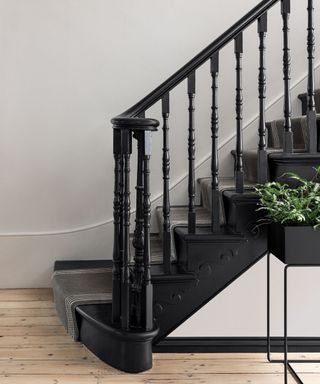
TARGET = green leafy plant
x,y
291,206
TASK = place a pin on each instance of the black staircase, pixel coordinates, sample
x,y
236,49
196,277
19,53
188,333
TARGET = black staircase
x,y
199,249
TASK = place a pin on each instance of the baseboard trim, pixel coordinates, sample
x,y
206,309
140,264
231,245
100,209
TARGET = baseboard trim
x,y
234,344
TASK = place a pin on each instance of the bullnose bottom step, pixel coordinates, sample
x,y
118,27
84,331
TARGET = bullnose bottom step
x,y
129,351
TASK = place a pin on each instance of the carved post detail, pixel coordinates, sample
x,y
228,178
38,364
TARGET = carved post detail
x,y
117,240
191,154
311,109
148,289
262,153
238,48
125,299
215,198
138,237
288,138
166,180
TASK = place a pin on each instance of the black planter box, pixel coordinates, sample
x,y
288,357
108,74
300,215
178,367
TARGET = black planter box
x,y
294,244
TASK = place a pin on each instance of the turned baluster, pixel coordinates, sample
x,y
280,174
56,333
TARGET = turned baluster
x,y
262,153
287,108
166,180
311,107
191,154
215,198
238,48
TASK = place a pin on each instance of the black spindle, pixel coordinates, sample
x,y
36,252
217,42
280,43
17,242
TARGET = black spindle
x,y
311,108
148,289
238,45
288,139
262,153
191,154
215,198
125,299
166,180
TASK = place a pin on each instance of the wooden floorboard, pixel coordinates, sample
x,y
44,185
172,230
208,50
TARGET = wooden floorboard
x,y
35,349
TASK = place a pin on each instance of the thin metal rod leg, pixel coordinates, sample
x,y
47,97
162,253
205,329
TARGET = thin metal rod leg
x,y
286,362
285,325
294,374
268,308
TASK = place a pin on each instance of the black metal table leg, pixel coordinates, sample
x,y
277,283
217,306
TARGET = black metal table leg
x,y
285,325
286,362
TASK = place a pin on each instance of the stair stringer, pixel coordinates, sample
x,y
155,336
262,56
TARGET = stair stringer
x,y
216,261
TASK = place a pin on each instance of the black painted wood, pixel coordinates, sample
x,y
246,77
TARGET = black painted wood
x,y
148,289
125,278
191,154
214,258
166,180
303,164
287,108
116,266
138,239
311,108
215,197
234,344
238,49
125,350
262,153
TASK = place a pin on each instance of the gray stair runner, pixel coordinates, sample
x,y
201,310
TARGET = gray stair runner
x,y
275,143
77,287
225,184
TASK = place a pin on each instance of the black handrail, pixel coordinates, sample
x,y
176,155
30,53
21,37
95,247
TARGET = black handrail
x,y
199,59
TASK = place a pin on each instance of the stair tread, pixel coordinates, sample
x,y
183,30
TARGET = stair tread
x,y
299,126
304,97
225,184
156,258
179,216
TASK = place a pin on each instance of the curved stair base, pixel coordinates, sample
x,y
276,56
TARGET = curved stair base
x,y
129,351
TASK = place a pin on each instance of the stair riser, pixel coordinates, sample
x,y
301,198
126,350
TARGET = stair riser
x,y
304,168
241,214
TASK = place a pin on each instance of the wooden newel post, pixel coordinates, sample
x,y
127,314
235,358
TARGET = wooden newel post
x,y
138,237
121,254
125,273
147,284
132,292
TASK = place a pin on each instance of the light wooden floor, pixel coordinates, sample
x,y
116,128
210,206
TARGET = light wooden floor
x,y
35,349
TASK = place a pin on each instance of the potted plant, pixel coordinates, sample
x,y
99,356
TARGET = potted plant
x,y
293,216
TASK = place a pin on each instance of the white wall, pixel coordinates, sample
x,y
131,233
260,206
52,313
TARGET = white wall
x,y
66,68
